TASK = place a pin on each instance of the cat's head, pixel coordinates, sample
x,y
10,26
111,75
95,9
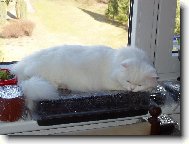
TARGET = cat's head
x,y
137,75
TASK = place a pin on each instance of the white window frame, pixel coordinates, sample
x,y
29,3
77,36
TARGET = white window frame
x,y
153,26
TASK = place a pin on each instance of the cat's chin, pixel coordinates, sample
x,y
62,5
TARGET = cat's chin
x,y
143,90
126,88
149,89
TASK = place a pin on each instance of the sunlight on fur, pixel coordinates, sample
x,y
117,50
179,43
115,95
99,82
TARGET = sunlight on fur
x,y
84,68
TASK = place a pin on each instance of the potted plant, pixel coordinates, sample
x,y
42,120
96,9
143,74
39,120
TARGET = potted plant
x,y
11,97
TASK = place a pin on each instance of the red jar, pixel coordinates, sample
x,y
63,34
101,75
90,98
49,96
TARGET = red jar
x,y
11,100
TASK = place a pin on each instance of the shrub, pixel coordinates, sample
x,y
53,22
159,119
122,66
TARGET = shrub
x,y
17,28
21,9
177,19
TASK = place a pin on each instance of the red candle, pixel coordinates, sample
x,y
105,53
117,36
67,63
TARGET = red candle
x,y
11,109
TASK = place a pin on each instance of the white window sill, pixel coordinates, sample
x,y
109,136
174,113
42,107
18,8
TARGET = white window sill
x,y
31,127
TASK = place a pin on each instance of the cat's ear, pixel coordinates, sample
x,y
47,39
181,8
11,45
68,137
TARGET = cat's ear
x,y
125,64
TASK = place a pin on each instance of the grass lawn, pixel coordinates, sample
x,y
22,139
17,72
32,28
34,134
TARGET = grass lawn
x,y
61,22
77,20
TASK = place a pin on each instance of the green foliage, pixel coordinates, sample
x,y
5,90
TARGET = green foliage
x,y
112,8
118,10
177,19
4,75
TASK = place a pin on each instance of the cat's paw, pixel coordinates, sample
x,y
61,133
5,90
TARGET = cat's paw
x,y
65,91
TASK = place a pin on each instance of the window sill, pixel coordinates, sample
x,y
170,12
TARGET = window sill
x,y
30,127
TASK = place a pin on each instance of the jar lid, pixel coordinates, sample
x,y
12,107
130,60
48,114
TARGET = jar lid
x,y
10,91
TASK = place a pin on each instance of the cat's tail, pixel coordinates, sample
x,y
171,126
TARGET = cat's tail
x,y
37,88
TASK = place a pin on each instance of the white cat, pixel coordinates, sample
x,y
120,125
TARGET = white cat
x,y
84,68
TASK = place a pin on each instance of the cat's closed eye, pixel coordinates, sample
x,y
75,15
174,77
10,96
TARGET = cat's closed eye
x,y
139,85
128,81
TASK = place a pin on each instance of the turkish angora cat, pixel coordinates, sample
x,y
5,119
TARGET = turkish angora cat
x,y
84,68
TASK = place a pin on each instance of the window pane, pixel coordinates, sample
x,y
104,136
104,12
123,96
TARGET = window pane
x,y
176,38
58,22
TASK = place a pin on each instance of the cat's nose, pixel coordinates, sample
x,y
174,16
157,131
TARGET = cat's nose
x,y
132,88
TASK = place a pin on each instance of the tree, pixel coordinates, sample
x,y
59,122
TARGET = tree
x,y
112,10
177,19
3,10
118,10
21,10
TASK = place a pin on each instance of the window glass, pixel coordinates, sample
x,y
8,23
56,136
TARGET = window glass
x,y
176,37
49,23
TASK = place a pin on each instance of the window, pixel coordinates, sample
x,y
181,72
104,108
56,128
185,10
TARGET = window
x,y
86,22
153,30
150,21
176,37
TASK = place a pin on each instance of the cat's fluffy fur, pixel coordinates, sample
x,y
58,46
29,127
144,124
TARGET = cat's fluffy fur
x,y
84,68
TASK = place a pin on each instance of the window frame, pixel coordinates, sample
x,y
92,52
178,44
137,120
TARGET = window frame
x,y
155,19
